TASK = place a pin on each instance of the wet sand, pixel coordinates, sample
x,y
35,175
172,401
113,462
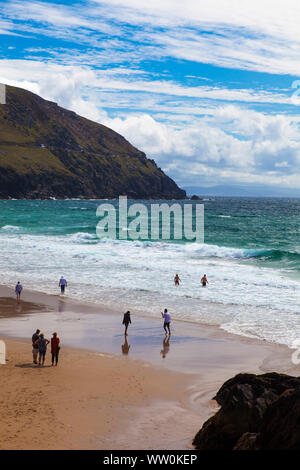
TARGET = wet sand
x,y
108,393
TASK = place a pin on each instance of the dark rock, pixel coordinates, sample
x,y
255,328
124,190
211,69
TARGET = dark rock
x,y
47,151
280,427
247,441
249,405
196,198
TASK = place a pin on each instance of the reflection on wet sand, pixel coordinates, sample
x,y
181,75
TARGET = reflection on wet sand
x,y
166,346
61,306
125,347
10,307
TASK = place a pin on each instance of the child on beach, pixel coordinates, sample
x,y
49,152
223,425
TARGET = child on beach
x,y
204,280
177,280
126,321
167,320
18,290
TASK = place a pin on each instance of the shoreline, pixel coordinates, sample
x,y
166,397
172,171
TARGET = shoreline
x,y
108,322
50,300
162,391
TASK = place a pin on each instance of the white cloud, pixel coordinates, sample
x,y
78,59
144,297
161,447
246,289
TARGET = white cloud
x,y
57,15
65,84
221,142
258,35
269,152
7,27
191,132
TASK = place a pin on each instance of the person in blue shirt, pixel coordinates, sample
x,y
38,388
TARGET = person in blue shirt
x,y
42,343
19,289
62,284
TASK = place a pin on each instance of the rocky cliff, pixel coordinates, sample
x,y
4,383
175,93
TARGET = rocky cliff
x,y
47,151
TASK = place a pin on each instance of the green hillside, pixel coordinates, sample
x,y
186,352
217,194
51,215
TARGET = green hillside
x,y
48,151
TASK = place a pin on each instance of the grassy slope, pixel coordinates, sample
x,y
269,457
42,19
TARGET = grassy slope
x,y
80,158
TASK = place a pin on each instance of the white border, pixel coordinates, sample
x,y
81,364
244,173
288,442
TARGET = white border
x,y
2,94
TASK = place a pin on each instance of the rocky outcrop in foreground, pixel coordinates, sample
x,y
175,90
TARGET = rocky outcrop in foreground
x,y
258,412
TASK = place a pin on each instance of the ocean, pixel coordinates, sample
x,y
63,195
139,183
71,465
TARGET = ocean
x,y
250,254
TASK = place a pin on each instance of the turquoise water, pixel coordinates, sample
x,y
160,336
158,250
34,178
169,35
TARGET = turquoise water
x,y
251,256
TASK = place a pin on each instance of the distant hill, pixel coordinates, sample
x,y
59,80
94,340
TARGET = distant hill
x,y
48,151
247,190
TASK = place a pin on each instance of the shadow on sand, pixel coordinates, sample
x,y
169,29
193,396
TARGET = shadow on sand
x,y
29,365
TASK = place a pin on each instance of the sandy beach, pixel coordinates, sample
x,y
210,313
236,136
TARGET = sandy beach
x,y
108,393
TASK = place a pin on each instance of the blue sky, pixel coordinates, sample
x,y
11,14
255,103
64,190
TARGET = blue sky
x,y
203,88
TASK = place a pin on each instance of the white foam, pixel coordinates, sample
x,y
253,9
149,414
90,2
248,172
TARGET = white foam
x,y
82,236
10,228
242,297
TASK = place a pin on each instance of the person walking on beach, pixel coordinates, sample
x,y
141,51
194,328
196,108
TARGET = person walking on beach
x,y
18,290
167,320
42,345
35,347
177,280
55,348
204,280
126,321
62,284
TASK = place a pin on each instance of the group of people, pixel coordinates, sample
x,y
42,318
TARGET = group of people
x,y
39,348
177,280
165,315
62,284
40,343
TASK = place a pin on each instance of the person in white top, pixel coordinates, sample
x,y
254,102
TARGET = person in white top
x,y
167,320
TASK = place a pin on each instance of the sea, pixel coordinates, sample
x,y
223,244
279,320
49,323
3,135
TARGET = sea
x,y
250,254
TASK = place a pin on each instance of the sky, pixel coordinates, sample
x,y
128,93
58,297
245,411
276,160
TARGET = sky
x,y
209,89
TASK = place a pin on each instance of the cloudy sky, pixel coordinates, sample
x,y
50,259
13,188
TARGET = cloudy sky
x,y
209,89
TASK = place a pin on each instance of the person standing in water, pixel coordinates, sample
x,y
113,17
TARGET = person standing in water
x,y
126,321
18,290
62,284
55,348
204,280
177,280
167,320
